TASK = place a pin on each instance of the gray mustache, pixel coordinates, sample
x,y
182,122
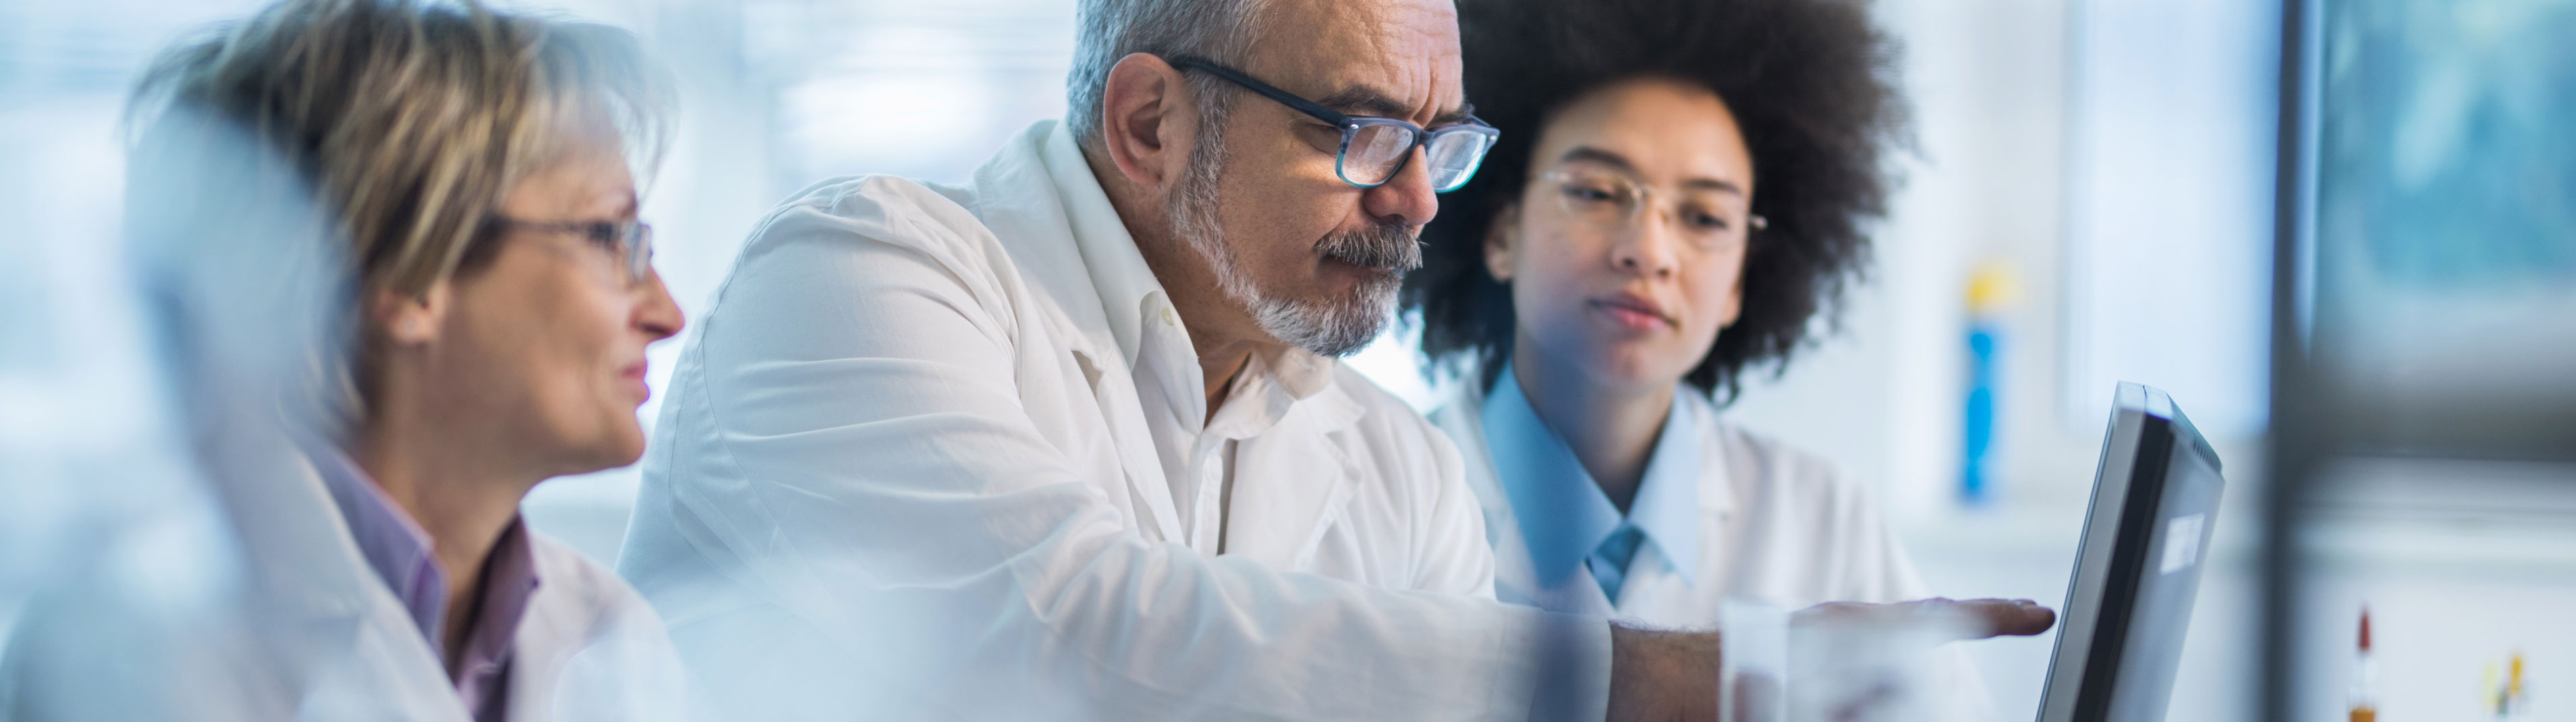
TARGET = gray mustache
x,y
1389,247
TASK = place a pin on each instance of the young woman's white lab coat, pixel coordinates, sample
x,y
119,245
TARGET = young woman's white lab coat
x,y
1776,524
308,631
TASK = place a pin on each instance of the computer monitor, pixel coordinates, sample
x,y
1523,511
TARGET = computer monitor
x,y
2155,498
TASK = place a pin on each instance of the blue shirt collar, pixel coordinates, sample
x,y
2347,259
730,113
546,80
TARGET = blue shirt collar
x,y
1563,514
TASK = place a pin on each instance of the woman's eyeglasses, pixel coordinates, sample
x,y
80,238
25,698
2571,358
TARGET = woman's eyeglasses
x,y
1614,203
1375,149
630,241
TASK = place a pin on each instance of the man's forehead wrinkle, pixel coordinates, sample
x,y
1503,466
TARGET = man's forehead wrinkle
x,y
1446,75
1306,47
1434,30
1361,99
1357,56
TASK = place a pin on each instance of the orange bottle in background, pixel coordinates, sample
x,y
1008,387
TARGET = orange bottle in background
x,y
2365,677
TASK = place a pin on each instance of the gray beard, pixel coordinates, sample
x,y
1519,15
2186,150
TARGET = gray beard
x,y
1329,327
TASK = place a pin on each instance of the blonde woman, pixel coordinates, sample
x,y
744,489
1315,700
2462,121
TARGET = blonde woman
x,y
473,165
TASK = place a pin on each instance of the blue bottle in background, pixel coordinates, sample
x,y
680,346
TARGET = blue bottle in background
x,y
1989,287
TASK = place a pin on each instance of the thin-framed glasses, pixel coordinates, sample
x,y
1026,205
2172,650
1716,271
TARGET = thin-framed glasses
x,y
1375,149
630,241
1613,202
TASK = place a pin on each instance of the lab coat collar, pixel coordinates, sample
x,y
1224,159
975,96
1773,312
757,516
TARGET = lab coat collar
x,y
1280,381
1039,188
1562,511
394,545
399,551
1716,478
312,588
1127,287
297,540
1118,271
1303,373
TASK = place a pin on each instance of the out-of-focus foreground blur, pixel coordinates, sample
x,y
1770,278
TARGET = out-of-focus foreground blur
x,y
2098,188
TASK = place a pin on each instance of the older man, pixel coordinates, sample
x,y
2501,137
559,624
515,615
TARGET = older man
x,y
1070,441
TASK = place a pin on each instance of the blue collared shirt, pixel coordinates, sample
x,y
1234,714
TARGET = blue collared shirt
x,y
1565,517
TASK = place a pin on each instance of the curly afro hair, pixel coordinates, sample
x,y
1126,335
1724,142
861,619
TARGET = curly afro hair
x,y
1811,84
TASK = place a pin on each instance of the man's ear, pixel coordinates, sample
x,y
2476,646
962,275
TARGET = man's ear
x,y
1146,109
405,320
1502,242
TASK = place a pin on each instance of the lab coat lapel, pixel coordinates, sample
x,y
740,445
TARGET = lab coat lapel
x,y
548,635
1729,482
1041,213
1115,390
586,650
1291,482
341,641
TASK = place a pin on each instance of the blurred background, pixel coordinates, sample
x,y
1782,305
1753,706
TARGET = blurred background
x,y
2092,198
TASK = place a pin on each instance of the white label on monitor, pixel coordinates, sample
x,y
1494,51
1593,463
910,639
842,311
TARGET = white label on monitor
x,y
2182,542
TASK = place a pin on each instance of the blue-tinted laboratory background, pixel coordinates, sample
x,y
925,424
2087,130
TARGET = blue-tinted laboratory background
x,y
2100,173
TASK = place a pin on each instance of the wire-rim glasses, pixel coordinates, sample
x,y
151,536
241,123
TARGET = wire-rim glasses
x,y
631,241
1615,202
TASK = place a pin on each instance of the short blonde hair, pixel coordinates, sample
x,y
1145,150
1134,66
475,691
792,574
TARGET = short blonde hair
x,y
411,119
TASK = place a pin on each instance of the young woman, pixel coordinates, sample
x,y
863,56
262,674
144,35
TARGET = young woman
x,y
1680,188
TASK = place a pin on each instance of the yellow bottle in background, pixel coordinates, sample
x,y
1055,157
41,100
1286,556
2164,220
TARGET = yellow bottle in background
x,y
2489,694
2515,707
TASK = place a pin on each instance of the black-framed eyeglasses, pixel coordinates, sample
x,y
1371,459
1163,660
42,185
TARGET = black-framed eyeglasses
x,y
631,241
1375,149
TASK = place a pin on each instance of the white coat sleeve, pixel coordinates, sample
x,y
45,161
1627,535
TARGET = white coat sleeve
x,y
848,441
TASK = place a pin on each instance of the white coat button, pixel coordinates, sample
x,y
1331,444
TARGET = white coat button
x,y
1167,316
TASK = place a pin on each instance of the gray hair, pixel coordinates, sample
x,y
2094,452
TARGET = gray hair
x,y
1218,30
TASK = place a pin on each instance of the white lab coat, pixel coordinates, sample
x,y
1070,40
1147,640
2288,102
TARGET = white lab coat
x,y
1777,525
310,632
905,471
247,598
